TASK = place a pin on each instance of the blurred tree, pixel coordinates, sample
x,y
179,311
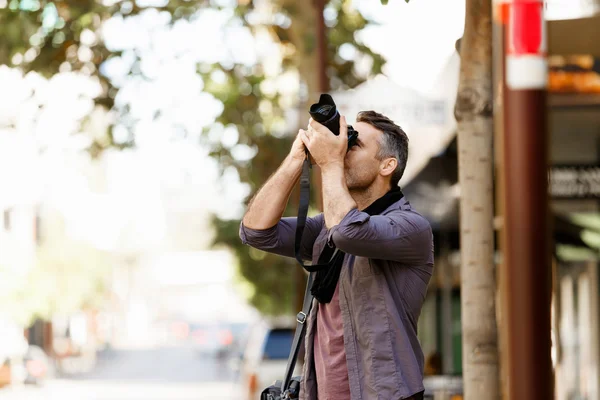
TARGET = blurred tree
x,y
61,36
263,103
270,133
68,277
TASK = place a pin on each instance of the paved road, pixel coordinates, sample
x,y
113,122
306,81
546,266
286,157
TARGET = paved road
x,y
168,364
156,374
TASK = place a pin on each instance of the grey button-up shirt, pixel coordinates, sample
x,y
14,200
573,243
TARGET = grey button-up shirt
x,y
382,288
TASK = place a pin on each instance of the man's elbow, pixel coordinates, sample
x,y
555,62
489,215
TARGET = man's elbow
x,y
245,221
343,241
242,233
262,239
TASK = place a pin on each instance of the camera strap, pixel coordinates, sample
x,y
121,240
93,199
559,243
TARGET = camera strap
x,y
301,221
302,316
301,319
308,297
302,208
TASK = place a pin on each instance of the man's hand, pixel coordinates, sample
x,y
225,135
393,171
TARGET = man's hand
x,y
329,152
325,147
298,151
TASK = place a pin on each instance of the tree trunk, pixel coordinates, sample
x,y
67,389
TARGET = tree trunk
x,y
304,32
303,35
475,137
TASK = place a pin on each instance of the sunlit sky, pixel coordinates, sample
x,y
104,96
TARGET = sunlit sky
x,y
123,204
169,58
416,39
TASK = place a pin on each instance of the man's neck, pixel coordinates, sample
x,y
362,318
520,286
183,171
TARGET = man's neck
x,y
364,198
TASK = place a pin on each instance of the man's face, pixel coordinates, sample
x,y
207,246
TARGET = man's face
x,y
361,165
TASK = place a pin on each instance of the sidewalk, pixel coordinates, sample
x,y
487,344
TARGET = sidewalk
x,y
114,390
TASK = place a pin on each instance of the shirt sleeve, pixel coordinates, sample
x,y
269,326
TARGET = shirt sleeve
x,y
280,239
400,236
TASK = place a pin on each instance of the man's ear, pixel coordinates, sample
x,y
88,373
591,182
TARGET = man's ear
x,y
388,166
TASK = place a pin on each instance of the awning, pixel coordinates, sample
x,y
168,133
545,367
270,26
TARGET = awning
x,y
428,119
574,36
434,193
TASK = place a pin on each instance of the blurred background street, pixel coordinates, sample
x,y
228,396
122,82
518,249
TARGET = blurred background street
x,y
175,373
134,132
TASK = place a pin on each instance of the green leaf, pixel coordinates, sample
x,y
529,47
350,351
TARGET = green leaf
x,y
250,105
275,288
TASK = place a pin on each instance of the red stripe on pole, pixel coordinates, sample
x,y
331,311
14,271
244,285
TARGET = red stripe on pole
x,y
525,28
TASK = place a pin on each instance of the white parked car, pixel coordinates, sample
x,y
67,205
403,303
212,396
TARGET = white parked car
x,y
265,357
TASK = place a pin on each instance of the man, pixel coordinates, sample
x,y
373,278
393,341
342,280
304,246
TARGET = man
x,y
361,340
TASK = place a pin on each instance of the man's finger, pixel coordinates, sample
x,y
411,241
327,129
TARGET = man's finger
x,y
317,127
343,127
304,137
299,138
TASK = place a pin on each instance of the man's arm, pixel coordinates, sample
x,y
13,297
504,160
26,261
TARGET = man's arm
x,y
399,236
267,207
263,226
337,201
405,237
402,236
329,152
281,238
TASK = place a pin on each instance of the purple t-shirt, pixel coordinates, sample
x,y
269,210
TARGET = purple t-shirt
x,y
329,353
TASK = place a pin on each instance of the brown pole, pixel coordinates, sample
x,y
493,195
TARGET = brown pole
x,y
322,46
321,36
526,234
323,87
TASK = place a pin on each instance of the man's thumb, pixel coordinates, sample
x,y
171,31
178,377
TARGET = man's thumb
x,y
343,126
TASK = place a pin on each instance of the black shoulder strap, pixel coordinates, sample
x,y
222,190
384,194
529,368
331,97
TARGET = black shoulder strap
x,y
302,208
301,221
308,297
299,336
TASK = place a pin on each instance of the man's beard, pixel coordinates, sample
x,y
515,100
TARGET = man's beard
x,y
358,184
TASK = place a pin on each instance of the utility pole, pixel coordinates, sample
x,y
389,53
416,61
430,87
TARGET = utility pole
x,y
316,84
322,46
526,271
321,36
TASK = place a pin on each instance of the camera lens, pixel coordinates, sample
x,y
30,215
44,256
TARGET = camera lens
x,y
325,112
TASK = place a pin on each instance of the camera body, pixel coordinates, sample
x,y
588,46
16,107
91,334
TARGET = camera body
x,y
274,392
325,112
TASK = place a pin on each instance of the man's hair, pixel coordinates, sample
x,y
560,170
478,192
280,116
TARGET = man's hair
x,y
393,144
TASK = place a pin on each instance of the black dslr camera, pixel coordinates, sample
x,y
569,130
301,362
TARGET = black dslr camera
x,y
325,112
275,392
